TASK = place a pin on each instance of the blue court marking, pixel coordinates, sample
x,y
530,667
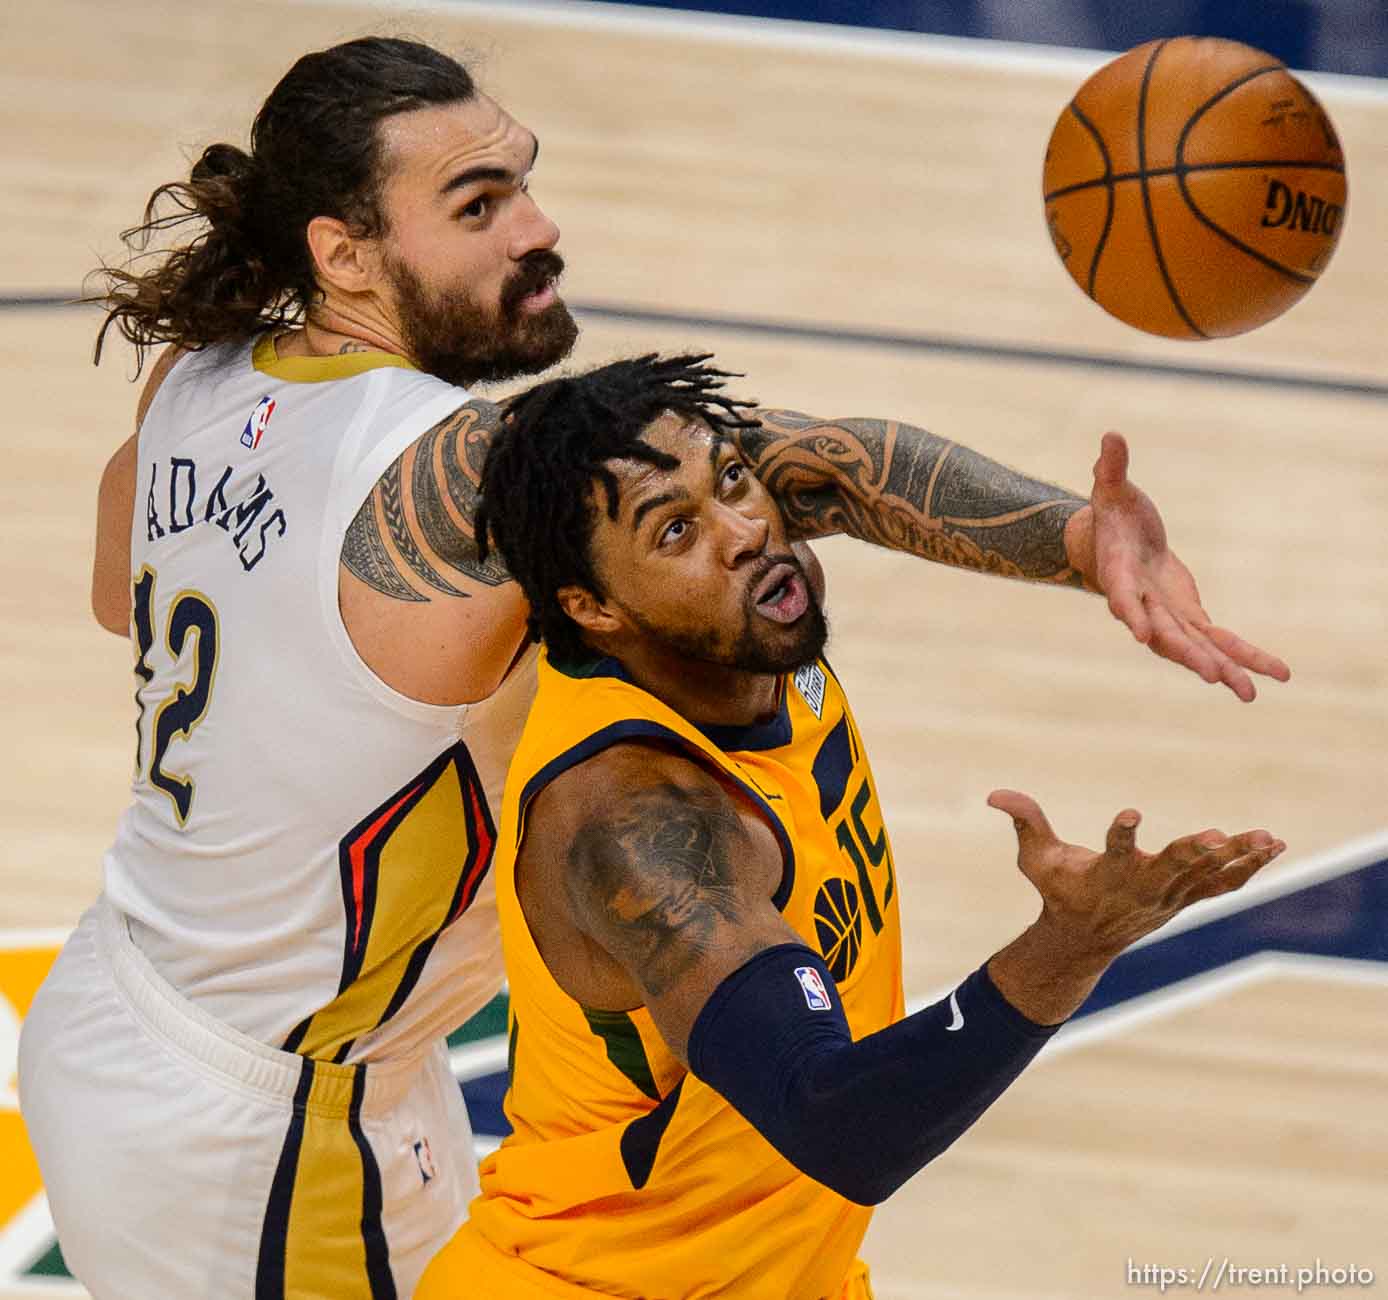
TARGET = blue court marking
x,y
982,349
1343,916
1347,36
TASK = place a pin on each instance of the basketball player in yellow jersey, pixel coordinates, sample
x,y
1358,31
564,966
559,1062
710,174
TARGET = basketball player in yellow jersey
x,y
712,1078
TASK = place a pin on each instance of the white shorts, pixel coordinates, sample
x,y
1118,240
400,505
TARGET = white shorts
x,y
184,1160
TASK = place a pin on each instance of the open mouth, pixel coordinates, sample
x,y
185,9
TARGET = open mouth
x,y
538,299
782,596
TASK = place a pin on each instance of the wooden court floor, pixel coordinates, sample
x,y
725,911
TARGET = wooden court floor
x,y
877,186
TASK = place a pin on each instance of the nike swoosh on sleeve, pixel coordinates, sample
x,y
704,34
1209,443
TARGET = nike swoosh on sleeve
x,y
958,1021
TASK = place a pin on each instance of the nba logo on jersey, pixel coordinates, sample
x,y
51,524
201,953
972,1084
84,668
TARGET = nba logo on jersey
x,y
425,1157
809,681
255,426
816,995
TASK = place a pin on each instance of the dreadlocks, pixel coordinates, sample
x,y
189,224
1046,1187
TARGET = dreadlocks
x,y
539,484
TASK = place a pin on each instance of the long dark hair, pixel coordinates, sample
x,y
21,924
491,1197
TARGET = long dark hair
x,y
315,151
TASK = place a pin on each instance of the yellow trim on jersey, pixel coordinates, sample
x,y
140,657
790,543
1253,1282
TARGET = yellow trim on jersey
x,y
317,370
325,1254
323,1234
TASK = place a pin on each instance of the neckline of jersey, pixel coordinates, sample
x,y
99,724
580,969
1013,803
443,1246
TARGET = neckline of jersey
x,y
317,370
772,732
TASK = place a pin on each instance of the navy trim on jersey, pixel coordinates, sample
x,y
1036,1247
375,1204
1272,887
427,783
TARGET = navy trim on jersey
x,y
640,1141
643,729
770,733
373,1233
274,1233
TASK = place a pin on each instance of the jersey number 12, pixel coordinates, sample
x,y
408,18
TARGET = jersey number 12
x,y
191,618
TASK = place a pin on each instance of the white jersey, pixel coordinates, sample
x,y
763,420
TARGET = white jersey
x,y
306,855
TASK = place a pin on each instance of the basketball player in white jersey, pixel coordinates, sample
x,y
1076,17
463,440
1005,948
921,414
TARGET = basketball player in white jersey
x,y
235,1076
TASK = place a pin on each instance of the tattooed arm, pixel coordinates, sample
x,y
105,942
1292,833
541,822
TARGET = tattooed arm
x,y
429,524
426,613
899,486
645,880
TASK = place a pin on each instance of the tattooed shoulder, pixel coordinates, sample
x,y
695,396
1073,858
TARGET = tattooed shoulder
x,y
428,541
652,877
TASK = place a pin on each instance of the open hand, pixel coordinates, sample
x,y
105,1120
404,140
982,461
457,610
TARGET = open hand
x,y
1099,903
1118,545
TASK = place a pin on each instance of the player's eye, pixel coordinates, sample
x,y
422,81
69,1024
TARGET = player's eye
x,y
477,208
734,474
673,532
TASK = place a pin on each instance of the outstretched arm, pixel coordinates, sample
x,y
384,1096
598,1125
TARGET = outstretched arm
x,y
900,486
667,877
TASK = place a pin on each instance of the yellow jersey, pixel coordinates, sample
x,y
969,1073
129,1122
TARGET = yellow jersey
x,y
625,1174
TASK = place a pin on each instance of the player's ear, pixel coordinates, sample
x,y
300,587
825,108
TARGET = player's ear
x,y
588,611
344,261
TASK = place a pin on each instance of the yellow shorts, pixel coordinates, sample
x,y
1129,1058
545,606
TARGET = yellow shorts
x,y
471,1266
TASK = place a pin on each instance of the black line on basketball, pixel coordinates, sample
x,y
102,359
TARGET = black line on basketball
x,y
1188,169
1272,264
1300,277
1105,179
1215,98
1147,193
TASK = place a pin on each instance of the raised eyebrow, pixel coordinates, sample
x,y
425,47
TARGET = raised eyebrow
x,y
474,174
502,175
651,503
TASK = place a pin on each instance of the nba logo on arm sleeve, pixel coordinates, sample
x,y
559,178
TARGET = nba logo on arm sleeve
x,y
816,995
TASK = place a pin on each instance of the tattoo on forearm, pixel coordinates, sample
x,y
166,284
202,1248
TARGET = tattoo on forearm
x,y
653,879
365,554
902,487
364,550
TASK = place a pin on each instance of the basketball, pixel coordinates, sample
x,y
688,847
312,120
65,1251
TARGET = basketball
x,y
1194,188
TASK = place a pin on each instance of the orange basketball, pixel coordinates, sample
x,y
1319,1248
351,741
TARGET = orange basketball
x,y
1194,188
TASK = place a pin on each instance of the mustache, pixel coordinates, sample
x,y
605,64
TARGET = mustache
x,y
536,270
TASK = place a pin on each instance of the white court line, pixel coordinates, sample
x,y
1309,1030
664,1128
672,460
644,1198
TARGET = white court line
x,y
15,940
1211,986
483,1056
809,37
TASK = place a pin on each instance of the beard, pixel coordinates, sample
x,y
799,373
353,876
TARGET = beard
x,y
453,337
758,646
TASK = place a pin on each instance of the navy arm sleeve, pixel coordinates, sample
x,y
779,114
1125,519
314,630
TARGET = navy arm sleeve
x,y
860,1117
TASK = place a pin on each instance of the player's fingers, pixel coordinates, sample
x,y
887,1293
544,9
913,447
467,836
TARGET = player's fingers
x,y
1172,641
1111,469
1246,653
1028,819
1195,853
1220,850
1126,605
1121,841
1230,672
1237,873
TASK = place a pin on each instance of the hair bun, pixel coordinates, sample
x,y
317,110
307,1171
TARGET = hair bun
x,y
223,161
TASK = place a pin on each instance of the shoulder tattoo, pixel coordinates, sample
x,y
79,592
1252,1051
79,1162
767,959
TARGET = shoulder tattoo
x,y
431,531
652,879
